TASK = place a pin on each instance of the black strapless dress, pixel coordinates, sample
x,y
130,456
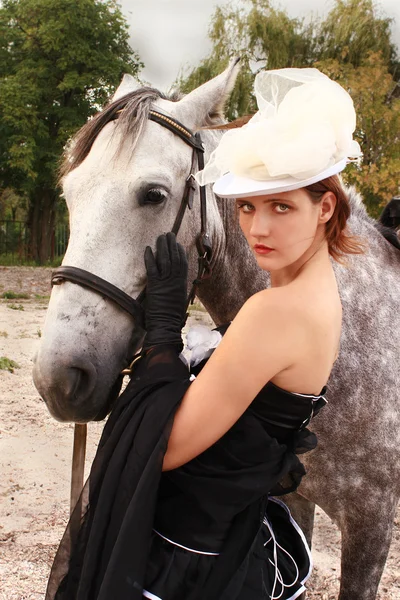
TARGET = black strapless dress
x,y
208,530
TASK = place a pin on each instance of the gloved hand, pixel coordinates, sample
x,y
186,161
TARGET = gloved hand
x,y
165,312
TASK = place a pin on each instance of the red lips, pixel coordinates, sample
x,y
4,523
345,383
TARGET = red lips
x,y
261,249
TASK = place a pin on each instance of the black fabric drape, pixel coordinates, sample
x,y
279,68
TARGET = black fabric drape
x,y
108,559
109,555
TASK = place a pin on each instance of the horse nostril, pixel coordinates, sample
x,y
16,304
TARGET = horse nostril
x,y
80,383
68,390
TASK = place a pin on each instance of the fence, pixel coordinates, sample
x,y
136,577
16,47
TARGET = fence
x,y
14,241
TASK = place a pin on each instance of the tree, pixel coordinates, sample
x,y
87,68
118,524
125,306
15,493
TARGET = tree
x,y
353,30
378,127
263,36
59,61
352,45
11,206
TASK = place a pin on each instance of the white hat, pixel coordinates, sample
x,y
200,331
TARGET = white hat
x,y
301,134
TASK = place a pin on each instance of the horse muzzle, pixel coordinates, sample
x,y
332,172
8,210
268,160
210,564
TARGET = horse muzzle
x,y
67,389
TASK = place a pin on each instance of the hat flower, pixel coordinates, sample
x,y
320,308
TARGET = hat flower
x,y
303,128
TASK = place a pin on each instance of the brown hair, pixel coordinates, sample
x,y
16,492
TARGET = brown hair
x,y
340,240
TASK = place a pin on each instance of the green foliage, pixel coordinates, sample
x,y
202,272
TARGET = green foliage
x,y
266,37
11,260
352,45
6,364
16,307
378,127
263,36
12,205
59,61
352,30
10,295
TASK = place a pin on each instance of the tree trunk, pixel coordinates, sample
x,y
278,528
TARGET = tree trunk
x,y
41,224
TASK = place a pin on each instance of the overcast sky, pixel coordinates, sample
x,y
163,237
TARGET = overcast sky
x,y
172,34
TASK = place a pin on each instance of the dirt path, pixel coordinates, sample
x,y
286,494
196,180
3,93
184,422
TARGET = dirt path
x,y
35,455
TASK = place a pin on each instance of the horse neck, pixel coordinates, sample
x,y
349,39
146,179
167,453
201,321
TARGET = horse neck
x,y
235,275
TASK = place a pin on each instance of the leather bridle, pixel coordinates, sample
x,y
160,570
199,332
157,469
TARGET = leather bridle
x,y
131,305
203,244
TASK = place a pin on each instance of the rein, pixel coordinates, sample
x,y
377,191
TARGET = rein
x,y
133,306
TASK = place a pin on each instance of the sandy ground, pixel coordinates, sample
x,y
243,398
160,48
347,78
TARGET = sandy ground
x,y
35,457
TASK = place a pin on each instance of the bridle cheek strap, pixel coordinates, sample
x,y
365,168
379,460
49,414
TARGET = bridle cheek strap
x,y
203,243
131,305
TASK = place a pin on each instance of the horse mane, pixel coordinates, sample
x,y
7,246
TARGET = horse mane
x,y
357,205
131,110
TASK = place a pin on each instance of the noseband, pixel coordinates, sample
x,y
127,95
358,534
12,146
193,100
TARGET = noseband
x,y
104,288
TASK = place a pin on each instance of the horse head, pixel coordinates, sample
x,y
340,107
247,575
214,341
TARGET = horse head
x,y
123,182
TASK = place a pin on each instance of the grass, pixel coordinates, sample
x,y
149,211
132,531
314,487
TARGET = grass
x,y
10,295
10,260
6,364
24,334
16,307
40,297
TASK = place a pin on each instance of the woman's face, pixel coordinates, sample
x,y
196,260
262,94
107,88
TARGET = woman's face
x,y
279,228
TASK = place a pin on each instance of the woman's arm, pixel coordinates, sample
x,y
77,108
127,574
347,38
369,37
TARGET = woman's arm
x,y
263,340
260,343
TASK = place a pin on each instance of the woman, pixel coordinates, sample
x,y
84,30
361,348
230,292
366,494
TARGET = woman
x,y
207,527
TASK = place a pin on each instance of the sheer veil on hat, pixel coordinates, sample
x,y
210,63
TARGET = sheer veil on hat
x,y
301,134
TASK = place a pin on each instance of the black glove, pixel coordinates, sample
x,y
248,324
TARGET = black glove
x,y
165,312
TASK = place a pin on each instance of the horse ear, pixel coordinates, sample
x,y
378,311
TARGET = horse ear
x,y
128,84
204,106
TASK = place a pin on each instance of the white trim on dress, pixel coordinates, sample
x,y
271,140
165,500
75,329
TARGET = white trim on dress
x,y
297,593
301,534
185,547
151,596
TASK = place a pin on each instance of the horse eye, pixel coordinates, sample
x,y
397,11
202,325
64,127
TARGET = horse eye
x,y
154,197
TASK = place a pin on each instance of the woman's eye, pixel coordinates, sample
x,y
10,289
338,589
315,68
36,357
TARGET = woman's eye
x,y
154,197
282,208
246,208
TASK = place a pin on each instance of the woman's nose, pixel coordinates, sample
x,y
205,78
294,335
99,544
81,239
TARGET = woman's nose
x,y
260,225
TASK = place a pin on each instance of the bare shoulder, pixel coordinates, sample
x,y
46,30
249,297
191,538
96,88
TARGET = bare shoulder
x,y
266,325
275,308
299,303
291,317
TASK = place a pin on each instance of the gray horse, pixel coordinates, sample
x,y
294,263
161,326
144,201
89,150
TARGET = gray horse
x,y
124,180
